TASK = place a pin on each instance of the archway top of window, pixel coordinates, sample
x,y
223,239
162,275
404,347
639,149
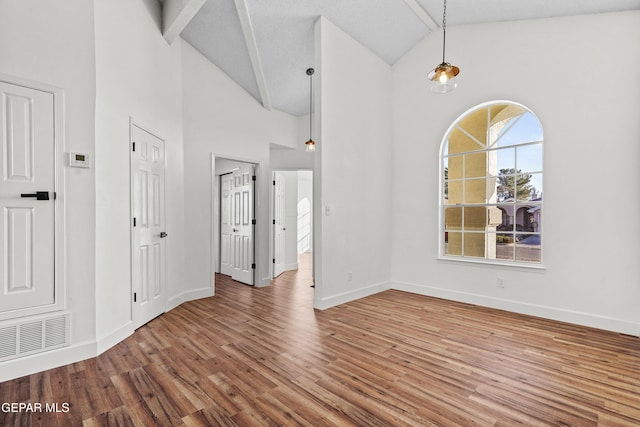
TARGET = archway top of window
x,y
483,126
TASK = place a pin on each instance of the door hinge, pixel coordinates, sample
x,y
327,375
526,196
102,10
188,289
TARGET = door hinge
x,y
274,260
253,222
134,221
134,146
274,222
253,178
253,266
274,182
135,297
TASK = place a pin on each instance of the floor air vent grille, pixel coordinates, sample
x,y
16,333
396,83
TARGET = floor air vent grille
x,y
33,336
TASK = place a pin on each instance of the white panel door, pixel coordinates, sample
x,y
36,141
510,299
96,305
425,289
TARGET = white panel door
x,y
279,229
226,224
27,204
242,217
148,232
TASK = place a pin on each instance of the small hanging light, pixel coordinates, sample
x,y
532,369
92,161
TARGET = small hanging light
x,y
443,76
311,145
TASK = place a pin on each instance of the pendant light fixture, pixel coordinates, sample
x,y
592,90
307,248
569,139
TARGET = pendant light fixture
x,y
443,76
311,145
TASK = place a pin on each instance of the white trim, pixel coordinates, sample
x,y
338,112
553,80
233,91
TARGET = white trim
x,y
469,260
105,342
344,297
140,125
176,15
59,189
292,266
254,53
190,295
214,242
39,362
441,206
421,13
547,312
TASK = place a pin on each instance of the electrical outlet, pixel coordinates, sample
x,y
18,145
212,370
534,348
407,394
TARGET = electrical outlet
x,y
501,282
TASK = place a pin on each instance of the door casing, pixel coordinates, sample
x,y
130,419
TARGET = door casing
x,y
143,306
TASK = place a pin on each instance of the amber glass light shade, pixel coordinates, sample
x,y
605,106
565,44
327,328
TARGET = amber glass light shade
x,y
443,78
311,145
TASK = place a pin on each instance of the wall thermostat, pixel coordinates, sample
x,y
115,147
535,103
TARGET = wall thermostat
x,y
79,160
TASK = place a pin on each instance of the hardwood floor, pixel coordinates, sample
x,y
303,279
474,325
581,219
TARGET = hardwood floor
x,y
263,356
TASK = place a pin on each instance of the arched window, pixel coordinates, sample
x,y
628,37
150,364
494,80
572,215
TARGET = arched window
x,y
491,185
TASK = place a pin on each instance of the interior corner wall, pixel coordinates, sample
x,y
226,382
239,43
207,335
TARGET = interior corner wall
x,y
352,162
138,77
559,69
52,42
221,119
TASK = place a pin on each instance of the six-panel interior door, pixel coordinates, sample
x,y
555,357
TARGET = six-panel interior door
x,y
279,230
242,219
226,223
148,232
27,166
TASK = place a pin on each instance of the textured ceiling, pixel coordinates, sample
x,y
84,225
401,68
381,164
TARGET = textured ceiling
x,y
283,34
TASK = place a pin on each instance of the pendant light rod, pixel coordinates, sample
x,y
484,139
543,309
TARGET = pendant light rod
x,y
311,145
310,72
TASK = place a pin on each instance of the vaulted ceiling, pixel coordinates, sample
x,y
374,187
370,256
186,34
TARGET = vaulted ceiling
x,y
266,45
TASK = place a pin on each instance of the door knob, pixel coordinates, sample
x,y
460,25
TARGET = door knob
x,y
163,235
235,230
39,195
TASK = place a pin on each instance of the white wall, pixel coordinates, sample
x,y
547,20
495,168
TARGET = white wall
x,y
138,77
52,42
353,96
580,77
222,119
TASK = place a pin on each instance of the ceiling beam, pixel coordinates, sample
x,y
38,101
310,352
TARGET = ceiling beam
x,y
252,46
176,14
422,14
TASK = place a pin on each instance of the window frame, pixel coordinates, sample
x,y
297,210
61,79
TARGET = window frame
x,y
443,159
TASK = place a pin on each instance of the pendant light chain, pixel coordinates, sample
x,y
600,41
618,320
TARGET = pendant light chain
x,y
444,28
443,76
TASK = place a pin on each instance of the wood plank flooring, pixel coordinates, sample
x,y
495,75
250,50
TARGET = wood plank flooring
x,y
259,357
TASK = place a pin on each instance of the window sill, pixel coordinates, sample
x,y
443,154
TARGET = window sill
x,y
493,263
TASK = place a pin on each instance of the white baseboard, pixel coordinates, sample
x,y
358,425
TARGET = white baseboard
x,y
553,313
29,365
39,362
106,342
292,266
333,300
176,300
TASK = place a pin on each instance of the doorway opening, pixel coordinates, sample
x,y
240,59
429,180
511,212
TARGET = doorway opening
x,y
234,219
292,235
